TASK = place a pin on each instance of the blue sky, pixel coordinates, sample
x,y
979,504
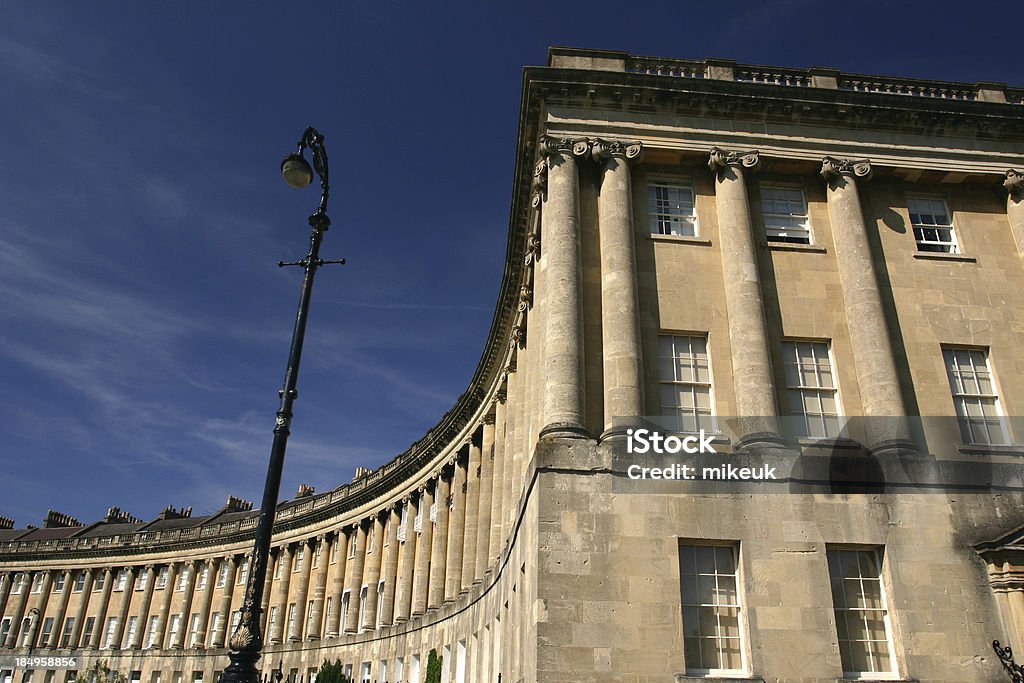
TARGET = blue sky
x,y
144,324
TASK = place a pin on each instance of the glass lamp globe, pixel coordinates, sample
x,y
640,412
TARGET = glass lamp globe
x,y
296,171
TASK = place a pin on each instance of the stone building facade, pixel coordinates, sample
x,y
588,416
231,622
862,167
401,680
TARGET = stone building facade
x,y
818,255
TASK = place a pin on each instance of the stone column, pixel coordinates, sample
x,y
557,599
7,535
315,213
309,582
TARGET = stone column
x,y
320,587
498,478
147,600
101,612
749,344
83,608
338,583
224,605
284,560
122,609
456,530
407,563
62,608
295,631
873,357
620,299
483,525
6,580
371,573
19,611
563,334
472,516
268,585
206,600
439,547
354,579
424,542
389,570
192,567
1014,184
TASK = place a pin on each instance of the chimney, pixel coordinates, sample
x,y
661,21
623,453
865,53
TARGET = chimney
x,y
170,513
115,516
6,523
361,472
237,505
305,490
55,520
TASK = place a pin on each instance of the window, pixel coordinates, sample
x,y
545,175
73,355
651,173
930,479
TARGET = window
x,y
222,575
108,637
101,580
309,619
134,677
403,524
362,608
172,629
352,544
143,581
5,628
862,619
37,583
44,636
671,209
329,610
243,575
785,215
271,620
370,539
18,584
214,626
204,576
300,554
316,554
194,637
129,636
433,508
811,389
65,636
380,600
417,523
79,582
345,599
933,228
182,580
334,552
90,623
236,619
975,396
711,609
291,620
154,621
197,677
685,382
386,531
161,578
121,581
58,584
278,566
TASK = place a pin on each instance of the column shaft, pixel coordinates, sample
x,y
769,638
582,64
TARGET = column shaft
x,y
315,626
482,556
1014,185
122,609
439,547
98,627
873,356
147,600
498,480
338,584
268,590
296,629
205,602
620,308
563,333
456,533
472,516
424,543
62,608
192,567
19,611
390,569
83,608
371,575
407,563
354,580
284,560
219,637
44,598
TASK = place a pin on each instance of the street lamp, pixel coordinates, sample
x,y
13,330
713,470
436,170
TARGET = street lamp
x,y
247,640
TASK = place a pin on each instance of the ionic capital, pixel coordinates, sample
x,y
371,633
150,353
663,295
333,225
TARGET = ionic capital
x,y
833,168
602,150
720,159
551,146
489,419
1014,184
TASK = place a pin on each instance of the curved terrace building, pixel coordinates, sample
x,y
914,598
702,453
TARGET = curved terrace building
x,y
792,261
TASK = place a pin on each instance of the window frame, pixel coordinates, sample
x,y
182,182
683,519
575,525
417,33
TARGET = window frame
x,y
808,228
741,607
953,244
963,420
653,220
837,394
712,417
880,559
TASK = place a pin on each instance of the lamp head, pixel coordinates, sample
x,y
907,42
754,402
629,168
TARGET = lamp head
x,y
296,171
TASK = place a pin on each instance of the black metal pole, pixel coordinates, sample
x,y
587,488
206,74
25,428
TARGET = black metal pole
x,y
246,642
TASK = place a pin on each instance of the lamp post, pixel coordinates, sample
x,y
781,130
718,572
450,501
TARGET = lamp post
x,y
246,642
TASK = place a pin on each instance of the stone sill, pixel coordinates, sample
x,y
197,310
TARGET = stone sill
x,y
795,246
830,443
684,239
942,256
683,678
982,449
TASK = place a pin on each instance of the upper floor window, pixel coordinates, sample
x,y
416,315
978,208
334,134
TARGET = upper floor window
x,y
684,376
785,215
79,582
58,584
300,556
862,618
182,579
222,575
243,575
17,584
670,207
933,227
143,581
975,396
37,583
122,580
711,609
352,544
811,388
161,578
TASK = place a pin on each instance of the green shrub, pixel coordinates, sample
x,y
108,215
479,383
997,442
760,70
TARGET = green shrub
x,y
100,673
331,673
433,667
